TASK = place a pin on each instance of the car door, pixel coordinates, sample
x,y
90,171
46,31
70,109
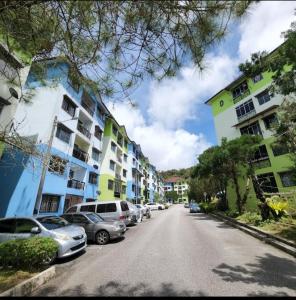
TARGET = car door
x,y
82,221
7,229
24,227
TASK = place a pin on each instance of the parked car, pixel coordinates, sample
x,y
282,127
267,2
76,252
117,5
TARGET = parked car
x,y
194,208
152,206
135,212
186,205
116,210
70,238
160,206
142,208
97,229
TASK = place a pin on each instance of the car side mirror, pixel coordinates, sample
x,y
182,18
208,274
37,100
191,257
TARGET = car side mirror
x,y
35,230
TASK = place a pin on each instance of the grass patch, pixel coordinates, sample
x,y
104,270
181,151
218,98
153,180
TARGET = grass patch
x,y
10,278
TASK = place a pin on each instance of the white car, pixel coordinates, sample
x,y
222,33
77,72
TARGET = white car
x,y
142,208
160,206
152,206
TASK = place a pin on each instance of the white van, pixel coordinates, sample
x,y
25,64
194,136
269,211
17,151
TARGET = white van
x,y
115,210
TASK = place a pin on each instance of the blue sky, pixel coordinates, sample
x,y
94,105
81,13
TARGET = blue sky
x,y
172,123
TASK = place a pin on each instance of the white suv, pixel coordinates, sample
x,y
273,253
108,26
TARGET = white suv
x,y
152,206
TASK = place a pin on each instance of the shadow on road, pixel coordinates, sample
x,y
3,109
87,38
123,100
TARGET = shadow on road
x,y
270,271
113,288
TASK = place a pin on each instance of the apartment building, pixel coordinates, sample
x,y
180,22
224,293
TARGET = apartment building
x,y
115,168
179,185
248,106
71,118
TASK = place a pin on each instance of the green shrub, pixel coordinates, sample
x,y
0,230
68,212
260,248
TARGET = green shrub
x,y
252,218
278,205
29,254
207,207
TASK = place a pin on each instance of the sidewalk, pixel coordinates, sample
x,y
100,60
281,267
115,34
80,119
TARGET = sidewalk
x,y
280,243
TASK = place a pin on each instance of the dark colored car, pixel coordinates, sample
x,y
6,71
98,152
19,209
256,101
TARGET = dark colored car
x,y
96,228
194,208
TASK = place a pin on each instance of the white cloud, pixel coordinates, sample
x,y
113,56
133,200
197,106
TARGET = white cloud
x,y
166,148
174,101
261,28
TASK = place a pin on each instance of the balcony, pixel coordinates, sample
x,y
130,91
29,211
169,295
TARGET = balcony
x,y
83,130
79,154
263,162
75,184
241,96
247,116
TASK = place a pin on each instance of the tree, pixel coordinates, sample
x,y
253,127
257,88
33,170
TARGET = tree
x,y
117,43
172,195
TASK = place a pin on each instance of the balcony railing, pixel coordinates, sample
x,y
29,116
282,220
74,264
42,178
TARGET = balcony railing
x,y
75,184
247,115
118,176
81,155
261,163
89,109
241,96
83,130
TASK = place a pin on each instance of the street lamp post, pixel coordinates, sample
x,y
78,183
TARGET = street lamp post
x,y
45,163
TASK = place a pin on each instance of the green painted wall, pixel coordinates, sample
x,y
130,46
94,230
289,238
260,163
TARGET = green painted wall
x,y
2,146
106,194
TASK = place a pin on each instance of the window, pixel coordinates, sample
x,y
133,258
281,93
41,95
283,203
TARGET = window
x,y
113,146
70,201
134,161
111,207
112,165
80,218
114,130
93,178
49,203
98,132
133,188
125,157
68,106
57,165
288,179
123,188
124,206
245,109
110,184
100,113
90,200
270,120
7,226
125,143
240,90
24,225
105,208
279,149
95,154
263,97
89,208
267,183
251,129
71,210
119,140
63,133
257,78
261,153
124,173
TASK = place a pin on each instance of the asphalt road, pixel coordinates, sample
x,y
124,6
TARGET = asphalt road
x,y
177,254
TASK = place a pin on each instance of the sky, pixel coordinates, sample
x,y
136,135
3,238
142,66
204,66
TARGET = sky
x,y
171,122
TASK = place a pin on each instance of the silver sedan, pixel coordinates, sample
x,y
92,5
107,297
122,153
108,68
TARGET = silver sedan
x,y
96,228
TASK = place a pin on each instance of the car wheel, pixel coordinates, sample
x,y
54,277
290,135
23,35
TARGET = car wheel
x,y
102,237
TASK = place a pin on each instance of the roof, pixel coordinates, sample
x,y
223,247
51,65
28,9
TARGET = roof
x,y
173,179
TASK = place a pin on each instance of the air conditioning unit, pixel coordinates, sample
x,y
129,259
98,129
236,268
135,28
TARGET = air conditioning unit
x,y
96,166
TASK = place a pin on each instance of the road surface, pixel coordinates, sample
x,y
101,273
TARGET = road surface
x,y
177,254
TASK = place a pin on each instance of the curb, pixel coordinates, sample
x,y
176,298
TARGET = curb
x,y
277,242
28,286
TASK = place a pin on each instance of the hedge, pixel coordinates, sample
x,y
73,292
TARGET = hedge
x,y
31,253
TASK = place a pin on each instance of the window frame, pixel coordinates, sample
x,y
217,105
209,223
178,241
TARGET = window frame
x,y
49,205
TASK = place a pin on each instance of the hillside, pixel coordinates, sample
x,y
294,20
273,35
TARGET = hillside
x,y
184,173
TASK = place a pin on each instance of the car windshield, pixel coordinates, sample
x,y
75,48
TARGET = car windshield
x,y
95,218
53,222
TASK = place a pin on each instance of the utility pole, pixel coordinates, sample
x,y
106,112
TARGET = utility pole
x,y
45,163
